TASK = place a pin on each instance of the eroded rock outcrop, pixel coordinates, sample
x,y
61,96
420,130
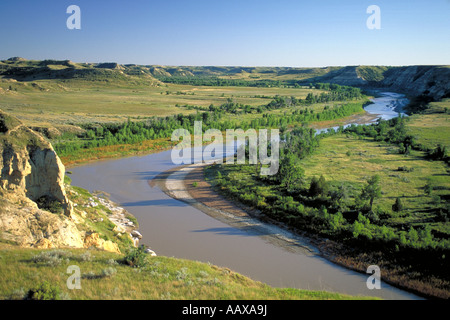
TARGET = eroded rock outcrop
x,y
429,80
31,173
29,226
432,81
29,167
94,240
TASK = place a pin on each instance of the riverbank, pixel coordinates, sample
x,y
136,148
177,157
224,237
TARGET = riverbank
x,y
359,118
189,184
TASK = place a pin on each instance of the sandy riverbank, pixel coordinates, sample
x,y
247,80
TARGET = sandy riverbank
x,y
360,118
188,184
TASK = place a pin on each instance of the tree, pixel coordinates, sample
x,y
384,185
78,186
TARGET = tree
x,y
439,153
372,190
290,173
339,196
318,187
428,189
398,205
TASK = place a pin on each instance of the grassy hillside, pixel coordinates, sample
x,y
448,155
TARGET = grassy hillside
x,y
105,276
131,275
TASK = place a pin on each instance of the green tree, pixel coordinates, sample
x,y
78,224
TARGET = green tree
x,y
339,196
290,173
428,189
372,190
398,205
318,187
413,236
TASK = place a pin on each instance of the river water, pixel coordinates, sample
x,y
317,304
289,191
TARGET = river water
x,y
174,228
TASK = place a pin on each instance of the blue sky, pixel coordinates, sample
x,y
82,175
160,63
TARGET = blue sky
x,y
293,33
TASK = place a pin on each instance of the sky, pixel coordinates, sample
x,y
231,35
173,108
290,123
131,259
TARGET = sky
x,y
286,33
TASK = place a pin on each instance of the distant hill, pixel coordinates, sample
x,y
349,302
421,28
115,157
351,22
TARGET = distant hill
x,y
30,70
415,80
432,81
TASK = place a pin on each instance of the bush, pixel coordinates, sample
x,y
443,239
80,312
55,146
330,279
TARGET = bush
x,y
109,272
49,204
398,205
45,291
17,294
51,258
318,187
436,200
136,257
86,256
428,189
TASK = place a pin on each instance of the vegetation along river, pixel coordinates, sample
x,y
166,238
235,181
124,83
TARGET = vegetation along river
x,y
174,228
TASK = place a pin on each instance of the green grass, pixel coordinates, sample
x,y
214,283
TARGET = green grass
x,y
432,128
161,278
352,161
58,102
96,219
371,73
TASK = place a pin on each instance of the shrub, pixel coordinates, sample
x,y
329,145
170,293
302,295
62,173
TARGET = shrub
x,y
86,256
136,257
109,272
182,274
436,200
49,204
45,291
318,187
398,205
90,275
51,258
337,221
428,189
17,294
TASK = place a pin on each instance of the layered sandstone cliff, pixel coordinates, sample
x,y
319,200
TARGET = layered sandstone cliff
x,y
32,173
29,167
433,81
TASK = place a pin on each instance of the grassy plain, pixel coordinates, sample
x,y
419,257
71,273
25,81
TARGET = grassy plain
x,y
433,127
163,278
57,102
351,161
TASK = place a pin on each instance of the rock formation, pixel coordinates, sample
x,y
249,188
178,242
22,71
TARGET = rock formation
x,y
29,167
415,80
429,80
31,172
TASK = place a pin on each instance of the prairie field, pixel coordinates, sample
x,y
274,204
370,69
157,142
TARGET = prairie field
x,y
58,102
